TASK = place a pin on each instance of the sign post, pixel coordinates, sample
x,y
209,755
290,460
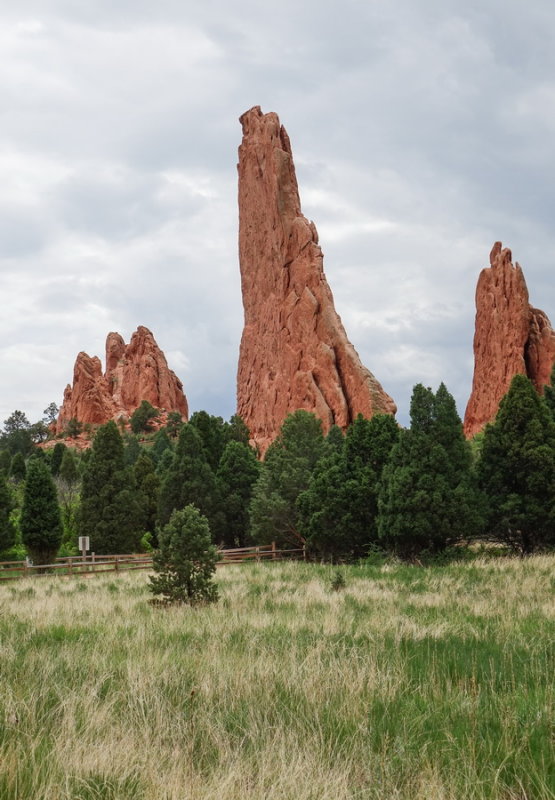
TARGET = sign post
x,y
84,545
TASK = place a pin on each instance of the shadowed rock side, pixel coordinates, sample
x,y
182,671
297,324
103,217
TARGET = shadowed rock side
x,y
134,372
510,338
294,350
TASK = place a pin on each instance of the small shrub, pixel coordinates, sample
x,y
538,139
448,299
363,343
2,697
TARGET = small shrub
x,y
186,560
338,581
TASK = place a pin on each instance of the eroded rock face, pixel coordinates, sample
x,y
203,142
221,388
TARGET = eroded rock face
x,y
510,338
294,350
134,372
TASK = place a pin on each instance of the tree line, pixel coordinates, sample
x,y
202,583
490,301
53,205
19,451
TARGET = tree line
x,y
411,492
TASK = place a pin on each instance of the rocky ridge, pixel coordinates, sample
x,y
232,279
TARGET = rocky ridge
x,y
294,351
511,337
134,372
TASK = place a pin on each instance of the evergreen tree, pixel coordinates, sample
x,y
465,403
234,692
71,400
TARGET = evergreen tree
x,y
131,450
339,509
173,424
161,444
110,513
7,528
517,470
5,461
18,469
148,490
68,471
237,430
549,394
189,478
335,439
140,420
41,526
73,428
67,484
214,436
285,473
236,476
57,455
186,560
427,501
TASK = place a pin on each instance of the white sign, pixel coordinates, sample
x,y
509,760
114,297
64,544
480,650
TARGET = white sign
x,y
84,543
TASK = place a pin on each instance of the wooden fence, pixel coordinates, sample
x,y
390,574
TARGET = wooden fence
x,y
93,564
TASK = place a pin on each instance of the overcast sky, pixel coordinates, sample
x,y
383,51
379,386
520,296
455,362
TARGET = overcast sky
x,y
422,132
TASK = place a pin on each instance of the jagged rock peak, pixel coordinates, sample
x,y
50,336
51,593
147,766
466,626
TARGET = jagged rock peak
x,y
294,350
134,372
511,337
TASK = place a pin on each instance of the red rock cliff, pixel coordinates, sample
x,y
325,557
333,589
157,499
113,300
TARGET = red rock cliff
x,y
294,350
510,338
134,372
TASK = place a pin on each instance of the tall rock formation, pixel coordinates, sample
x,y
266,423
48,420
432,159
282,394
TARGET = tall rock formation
x,y
134,372
294,350
510,338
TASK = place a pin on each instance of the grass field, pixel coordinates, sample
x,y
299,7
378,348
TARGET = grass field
x,y
409,683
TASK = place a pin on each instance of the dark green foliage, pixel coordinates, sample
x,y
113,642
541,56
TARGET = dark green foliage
x,y
68,471
38,432
161,444
110,513
148,491
17,434
5,461
189,478
18,470
517,470
73,428
338,512
286,471
549,394
50,414
335,439
214,436
16,422
173,424
186,560
236,476
7,528
41,526
142,416
57,456
427,501
131,449
237,430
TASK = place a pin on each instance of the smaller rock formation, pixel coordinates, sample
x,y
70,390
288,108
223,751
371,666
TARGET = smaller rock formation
x,y
295,353
134,372
510,338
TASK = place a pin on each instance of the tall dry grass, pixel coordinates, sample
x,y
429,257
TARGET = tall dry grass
x,y
412,683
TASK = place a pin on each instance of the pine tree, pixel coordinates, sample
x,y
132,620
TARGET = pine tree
x,y
7,528
41,526
161,444
18,469
549,394
338,512
140,419
189,478
57,455
148,491
236,476
213,435
517,470
5,461
427,501
186,560
110,513
286,470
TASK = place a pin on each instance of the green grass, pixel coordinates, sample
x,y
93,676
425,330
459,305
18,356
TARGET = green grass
x,y
408,683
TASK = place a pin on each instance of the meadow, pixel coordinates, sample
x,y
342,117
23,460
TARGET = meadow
x,y
408,683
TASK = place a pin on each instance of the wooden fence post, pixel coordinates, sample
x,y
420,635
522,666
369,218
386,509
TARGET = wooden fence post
x,y
273,550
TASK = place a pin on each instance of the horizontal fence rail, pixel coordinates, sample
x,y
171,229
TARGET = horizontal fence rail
x,y
95,564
